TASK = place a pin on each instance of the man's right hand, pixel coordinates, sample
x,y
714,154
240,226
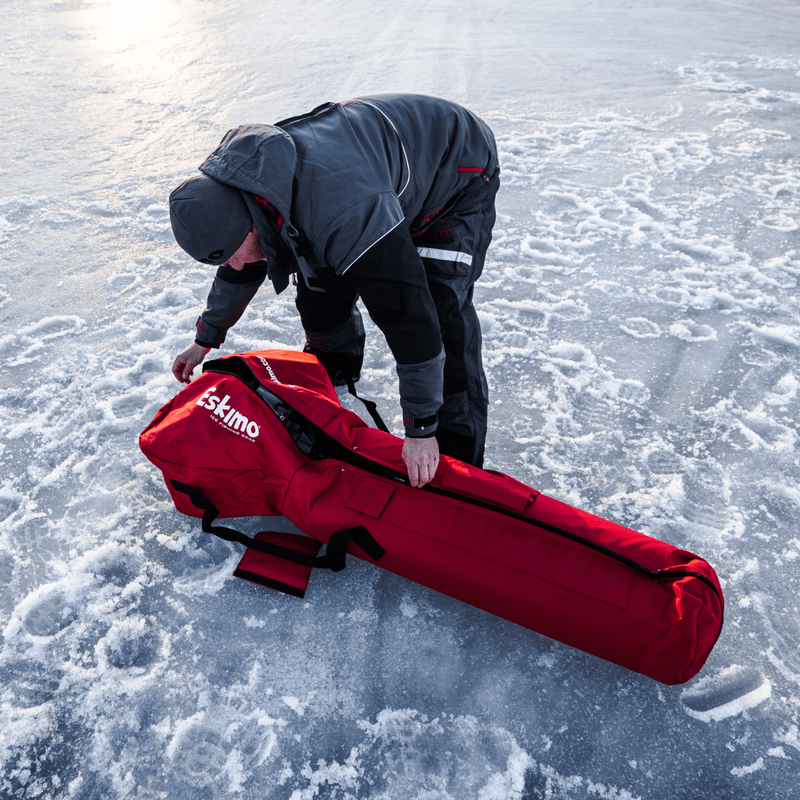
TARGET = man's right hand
x,y
421,457
184,364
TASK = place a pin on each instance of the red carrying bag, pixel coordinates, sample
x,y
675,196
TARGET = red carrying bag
x,y
263,434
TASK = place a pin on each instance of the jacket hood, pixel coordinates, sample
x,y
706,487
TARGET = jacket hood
x,y
210,219
260,160
251,155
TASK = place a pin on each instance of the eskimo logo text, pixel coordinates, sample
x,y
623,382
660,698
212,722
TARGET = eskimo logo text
x,y
229,416
269,369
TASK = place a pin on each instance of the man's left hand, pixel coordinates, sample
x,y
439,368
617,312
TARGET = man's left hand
x,y
186,361
422,458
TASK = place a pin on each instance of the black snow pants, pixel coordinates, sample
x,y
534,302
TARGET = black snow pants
x,y
453,250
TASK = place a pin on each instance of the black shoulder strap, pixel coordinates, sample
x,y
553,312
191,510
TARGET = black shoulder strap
x,y
370,405
336,552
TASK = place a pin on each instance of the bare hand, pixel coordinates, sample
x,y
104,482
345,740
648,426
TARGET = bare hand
x,y
422,458
184,364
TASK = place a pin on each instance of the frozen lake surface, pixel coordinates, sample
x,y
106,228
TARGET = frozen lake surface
x,y
642,343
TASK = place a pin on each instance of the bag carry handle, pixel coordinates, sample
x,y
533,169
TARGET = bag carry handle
x,y
336,551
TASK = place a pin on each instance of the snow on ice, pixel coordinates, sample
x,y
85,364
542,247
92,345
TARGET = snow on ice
x,y
642,343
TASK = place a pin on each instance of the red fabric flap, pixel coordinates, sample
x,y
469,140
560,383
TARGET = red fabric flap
x,y
276,572
371,497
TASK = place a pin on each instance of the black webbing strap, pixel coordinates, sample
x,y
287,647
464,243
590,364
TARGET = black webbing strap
x,y
336,551
337,544
372,408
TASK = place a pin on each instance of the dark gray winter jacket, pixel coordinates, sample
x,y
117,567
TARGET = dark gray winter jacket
x,y
339,180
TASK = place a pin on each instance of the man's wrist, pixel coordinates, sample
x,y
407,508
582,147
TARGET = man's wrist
x,y
419,427
428,435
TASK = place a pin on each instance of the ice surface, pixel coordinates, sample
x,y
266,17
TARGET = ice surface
x,y
642,342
